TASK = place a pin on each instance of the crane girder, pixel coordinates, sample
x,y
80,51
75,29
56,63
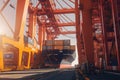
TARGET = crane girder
x,y
46,6
57,11
46,9
65,32
21,13
62,24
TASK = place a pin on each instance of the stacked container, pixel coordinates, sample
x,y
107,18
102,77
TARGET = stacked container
x,y
58,53
56,44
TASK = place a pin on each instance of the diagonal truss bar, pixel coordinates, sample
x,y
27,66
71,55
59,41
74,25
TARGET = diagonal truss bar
x,y
63,24
4,6
47,8
66,32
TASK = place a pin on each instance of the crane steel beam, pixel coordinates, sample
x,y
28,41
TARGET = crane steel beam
x,y
4,6
116,25
68,32
62,24
21,13
32,25
110,24
57,11
46,6
66,24
78,32
65,32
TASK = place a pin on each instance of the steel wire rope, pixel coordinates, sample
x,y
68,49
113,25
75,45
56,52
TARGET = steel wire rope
x,y
63,17
59,4
3,7
65,29
72,1
66,35
68,18
55,18
68,4
7,23
61,21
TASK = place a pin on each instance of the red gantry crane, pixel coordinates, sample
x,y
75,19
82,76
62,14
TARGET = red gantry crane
x,y
95,24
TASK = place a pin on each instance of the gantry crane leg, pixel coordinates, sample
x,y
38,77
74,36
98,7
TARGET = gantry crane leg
x,y
87,30
21,13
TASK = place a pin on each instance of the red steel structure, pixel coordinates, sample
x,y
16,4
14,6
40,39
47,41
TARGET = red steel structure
x,y
95,23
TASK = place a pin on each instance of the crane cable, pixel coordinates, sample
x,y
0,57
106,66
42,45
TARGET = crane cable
x,y
68,4
3,7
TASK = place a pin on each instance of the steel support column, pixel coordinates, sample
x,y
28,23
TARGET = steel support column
x,y
110,33
21,12
87,29
77,15
116,27
41,38
1,55
32,25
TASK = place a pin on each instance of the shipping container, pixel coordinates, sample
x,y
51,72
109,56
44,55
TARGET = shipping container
x,y
67,47
49,42
9,60
58,53
10,57
25,56
110,34
44,47
58,42
66,42
48,47
58,47
72,47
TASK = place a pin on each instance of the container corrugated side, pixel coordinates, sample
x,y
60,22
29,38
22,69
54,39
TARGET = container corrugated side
x,y
58,42
66,42
66,47
58,47
72,47
49,42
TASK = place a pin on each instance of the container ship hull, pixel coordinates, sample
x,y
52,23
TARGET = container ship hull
x,y
58,53
59,58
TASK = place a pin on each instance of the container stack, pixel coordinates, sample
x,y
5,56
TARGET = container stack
x,y
56,44
57,52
